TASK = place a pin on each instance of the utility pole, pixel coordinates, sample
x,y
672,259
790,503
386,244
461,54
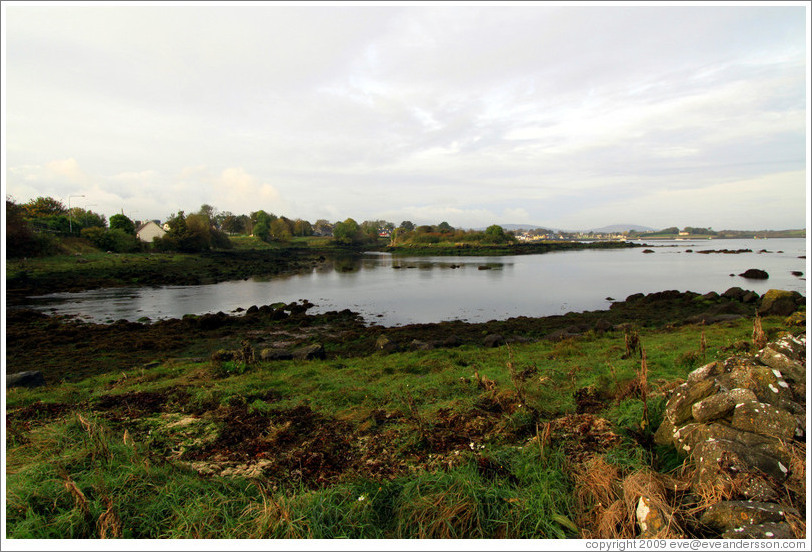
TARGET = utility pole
x,y
70,214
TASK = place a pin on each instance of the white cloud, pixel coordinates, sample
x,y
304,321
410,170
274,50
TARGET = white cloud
x,y
525,113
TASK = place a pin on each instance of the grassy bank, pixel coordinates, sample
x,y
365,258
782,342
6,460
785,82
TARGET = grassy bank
x,y
469,442
516,248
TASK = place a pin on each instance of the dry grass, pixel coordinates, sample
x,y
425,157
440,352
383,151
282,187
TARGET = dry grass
x,y
273,518
109,523
440,515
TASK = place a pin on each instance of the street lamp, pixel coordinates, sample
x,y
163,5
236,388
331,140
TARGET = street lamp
x,y
70,214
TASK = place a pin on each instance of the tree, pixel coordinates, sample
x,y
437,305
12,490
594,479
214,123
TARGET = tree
x,y
407,225
44,207
280,229
496,234
323,228
302,228
445,228
122,222
347,232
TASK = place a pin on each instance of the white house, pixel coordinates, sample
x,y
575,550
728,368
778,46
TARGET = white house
x,y
149,231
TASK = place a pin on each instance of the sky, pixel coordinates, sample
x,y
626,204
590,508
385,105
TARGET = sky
x,y
564,116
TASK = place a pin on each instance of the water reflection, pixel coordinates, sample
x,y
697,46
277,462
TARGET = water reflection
x,y
398,290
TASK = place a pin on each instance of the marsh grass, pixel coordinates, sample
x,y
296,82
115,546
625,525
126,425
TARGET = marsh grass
x,y
76,471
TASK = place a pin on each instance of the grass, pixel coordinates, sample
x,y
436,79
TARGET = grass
x,y
462,443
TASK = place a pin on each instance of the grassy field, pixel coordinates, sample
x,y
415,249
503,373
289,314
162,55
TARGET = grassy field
x,y
469,442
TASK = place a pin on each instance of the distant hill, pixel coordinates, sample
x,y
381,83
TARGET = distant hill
x,y
622,228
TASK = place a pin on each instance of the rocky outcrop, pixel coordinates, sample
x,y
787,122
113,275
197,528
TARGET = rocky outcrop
x,y
754,274
31,378
779,302
740,423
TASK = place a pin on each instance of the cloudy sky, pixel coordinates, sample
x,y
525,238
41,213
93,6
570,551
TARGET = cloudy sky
x,y
571,117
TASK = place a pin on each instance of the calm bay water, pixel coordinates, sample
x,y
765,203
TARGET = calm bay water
x,y
395,290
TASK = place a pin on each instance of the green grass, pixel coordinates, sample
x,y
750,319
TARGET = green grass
x,y
87,471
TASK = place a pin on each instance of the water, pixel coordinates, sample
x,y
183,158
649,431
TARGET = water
x,y
428,289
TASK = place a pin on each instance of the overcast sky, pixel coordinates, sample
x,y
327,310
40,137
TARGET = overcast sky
x,y
570,117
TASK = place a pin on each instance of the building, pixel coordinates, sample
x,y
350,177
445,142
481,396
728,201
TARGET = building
x,y
149,231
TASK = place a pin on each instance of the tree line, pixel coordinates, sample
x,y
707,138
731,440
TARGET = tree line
x,y
34,229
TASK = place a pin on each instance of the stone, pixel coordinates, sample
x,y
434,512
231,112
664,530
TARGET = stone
x,y
686,438
790,369
716,459
736,293
721,405
750,297
417,345
653,522
731,514
31,378
385,344
763,531
778,302
764,419
709,370
792,346
665,433
768,386
493,340
754,274
275,354
309,352
678,409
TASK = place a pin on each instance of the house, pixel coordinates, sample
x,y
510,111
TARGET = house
x,y
149,231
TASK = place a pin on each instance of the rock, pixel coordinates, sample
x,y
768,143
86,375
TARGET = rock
x,y
735,293
222,355
717,459
767,445
648,251
764,419
417,345
653,522
750,297
309,352
754,274
32,378
451,341
385,344
678,409
493,340
275,354
788,369
709,370
768,386
779,302
721,405
763,531
732,514
665,433
602,325
711,295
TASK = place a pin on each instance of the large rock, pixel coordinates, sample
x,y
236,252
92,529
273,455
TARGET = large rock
x,y
709,370
763,531
33,378
721,405
768,386
653,522
386,345
754,274
778,302
493,340
732,514
716,459
275,354
790,369
764,419
309,352
678,409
